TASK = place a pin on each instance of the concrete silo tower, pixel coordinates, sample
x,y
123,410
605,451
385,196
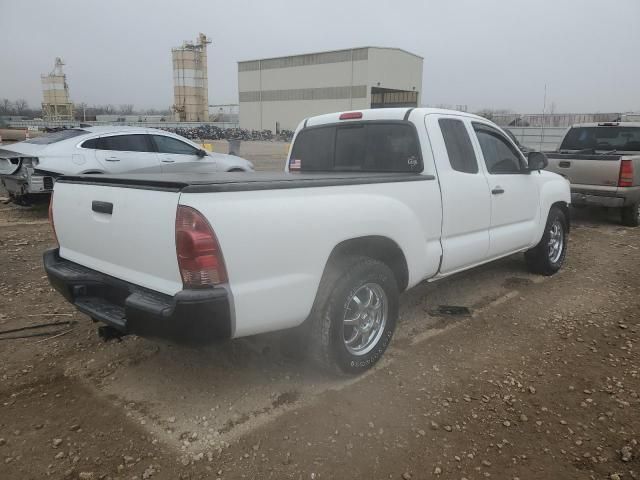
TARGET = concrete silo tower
x,y
56,104
190,81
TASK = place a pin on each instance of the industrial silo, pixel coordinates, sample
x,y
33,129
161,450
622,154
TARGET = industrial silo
x,y
190,81
56,104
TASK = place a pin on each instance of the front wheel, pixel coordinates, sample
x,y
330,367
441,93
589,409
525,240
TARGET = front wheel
x,y
548,256
631,215
355,316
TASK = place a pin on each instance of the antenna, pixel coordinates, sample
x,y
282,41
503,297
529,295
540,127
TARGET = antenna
x,y
544,107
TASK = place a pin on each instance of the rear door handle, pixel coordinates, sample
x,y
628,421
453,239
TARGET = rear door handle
x,y
112,159
168,161
564,164
497,191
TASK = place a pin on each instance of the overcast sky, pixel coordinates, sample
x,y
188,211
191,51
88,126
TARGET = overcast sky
x,y
480,53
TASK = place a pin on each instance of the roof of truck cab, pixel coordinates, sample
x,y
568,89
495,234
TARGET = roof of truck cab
x,y
606,124
385,114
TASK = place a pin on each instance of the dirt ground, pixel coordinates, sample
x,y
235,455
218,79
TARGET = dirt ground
x,y
541,381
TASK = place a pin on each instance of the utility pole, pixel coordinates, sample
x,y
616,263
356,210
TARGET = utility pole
x,y
544,107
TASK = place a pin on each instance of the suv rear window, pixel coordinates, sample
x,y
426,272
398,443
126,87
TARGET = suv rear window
x,y
54,137
358,146
602,138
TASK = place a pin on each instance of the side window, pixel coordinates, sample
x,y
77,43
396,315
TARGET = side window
x,y
459,149
172,145
499,155
91,143
126,143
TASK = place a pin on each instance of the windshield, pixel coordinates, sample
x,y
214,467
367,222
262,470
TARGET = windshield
x,y
54,137
602,138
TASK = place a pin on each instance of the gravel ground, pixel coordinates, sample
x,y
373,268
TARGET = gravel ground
x,y
542,381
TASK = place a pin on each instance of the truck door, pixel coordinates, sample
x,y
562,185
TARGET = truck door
x,y
515,205
466,210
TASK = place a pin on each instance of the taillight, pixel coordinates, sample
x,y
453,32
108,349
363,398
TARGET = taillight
x,y
53,225
350,115
626,173
199,256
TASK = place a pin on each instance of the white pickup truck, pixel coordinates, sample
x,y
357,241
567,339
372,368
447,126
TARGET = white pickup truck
x,y
371,204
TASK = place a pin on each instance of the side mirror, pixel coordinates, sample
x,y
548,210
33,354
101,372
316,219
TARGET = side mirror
x,y
201,153
537,161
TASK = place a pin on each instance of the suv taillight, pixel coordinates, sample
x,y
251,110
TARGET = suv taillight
x,y
626,173
199,256
53,226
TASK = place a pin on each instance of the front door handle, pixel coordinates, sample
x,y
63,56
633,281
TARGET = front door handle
x,y
168,161
497,191
112,159
564,164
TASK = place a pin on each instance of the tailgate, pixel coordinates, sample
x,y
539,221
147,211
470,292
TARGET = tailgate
x,y
602,170
135,242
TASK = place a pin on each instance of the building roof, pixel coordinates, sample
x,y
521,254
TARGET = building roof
x,y
331,51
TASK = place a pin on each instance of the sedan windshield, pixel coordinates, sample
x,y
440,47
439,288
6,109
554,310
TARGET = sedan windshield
x,y
602,138
54,137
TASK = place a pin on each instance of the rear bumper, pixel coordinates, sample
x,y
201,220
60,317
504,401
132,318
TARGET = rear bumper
x,y
617,197
579,198
28,185
190,316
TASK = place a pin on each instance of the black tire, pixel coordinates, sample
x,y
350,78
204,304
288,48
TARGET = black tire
x,y
539,259
344,279
631,215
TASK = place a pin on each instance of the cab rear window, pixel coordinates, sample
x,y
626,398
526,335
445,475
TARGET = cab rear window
x,y
357,146
602,138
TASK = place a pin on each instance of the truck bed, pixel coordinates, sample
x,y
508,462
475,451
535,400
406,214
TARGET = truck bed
x,y
241,181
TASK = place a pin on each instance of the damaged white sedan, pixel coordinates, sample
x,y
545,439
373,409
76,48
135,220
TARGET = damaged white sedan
x,y
31,167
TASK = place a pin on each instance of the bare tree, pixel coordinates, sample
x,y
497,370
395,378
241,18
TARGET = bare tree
x,y
126,109
6,106
21,106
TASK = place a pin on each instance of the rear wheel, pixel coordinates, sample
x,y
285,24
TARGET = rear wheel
x,y
631,215
548,256
355,315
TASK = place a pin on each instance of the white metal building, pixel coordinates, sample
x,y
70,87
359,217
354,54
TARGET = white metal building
x,y
277,93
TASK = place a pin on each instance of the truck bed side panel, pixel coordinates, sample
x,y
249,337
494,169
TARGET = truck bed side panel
x,y
276,243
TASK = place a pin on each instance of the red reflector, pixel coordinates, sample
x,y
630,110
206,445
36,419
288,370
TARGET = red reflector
x,y
626,173
350,115
199,256
53,226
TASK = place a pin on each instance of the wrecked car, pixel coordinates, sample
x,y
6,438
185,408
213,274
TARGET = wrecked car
x,y
31,167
